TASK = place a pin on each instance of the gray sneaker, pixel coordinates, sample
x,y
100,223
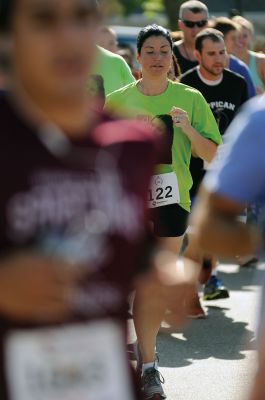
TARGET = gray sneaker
x,y
151,384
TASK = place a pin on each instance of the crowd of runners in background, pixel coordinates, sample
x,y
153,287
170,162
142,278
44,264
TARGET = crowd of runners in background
x,y
214,56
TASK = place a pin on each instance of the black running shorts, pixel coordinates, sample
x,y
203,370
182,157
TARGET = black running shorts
x,y
169,221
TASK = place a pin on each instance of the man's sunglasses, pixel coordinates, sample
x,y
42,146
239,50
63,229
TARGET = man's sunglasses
x,y
192,24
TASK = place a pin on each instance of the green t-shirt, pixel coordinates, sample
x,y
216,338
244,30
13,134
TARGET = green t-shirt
x,y
113,69
130,99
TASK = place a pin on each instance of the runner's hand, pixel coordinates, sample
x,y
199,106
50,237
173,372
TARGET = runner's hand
x,y
34,288
180,118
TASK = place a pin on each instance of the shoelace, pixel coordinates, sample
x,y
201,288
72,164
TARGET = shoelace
x,y
152,376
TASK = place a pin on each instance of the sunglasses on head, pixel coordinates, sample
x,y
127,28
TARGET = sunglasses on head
x,y
192,24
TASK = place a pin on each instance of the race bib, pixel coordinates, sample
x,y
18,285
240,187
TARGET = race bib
x,y
163,190
80,362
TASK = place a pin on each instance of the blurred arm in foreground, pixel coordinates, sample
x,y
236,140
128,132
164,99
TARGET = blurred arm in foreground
x,y
236,179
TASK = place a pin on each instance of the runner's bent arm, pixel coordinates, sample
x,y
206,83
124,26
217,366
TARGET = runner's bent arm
x,y
229,236
200,146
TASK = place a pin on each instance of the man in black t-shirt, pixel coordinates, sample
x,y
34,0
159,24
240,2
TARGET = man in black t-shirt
x,y
193,17
225,91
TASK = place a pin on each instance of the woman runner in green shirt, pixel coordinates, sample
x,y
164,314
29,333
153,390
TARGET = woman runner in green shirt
x,y
194,131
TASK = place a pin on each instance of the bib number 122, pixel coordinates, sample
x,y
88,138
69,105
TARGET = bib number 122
x,y
161,193
163,190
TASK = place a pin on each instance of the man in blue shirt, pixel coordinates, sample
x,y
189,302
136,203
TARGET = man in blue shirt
x,y
236,179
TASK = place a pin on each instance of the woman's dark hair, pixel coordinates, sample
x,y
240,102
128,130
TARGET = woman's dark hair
x,y
6,11
176,66
166,155
152,30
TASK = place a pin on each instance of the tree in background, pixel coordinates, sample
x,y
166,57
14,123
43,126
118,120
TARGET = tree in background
x,y
172,12
121,7
111,8
150,7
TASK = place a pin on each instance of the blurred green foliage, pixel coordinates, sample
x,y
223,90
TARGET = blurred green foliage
x,y
149,7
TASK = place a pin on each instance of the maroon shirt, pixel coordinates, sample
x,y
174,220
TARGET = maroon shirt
x,y
83,200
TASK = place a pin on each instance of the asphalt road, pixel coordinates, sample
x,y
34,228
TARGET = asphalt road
x,y
215,358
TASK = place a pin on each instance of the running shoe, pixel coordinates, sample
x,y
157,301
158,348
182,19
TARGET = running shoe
x,y
152,384
248,261
215,289
138,357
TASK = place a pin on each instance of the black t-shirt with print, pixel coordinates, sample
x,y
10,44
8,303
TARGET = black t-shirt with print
x,y
184,63
224,100
83,199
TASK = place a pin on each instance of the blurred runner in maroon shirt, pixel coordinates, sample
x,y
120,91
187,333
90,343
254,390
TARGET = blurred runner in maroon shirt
x,y
72,213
